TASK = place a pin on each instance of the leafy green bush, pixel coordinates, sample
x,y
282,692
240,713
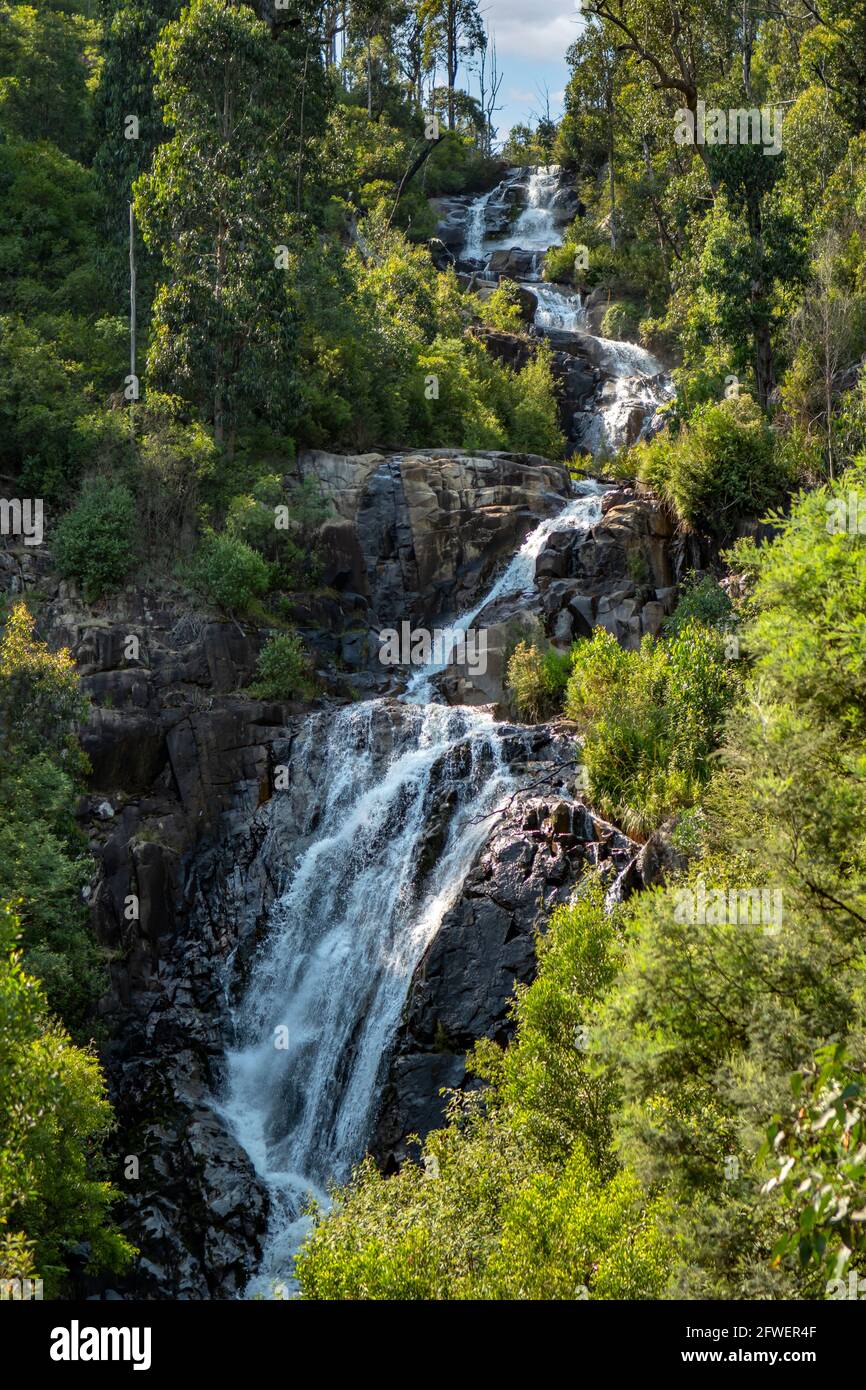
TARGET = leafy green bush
x,y
559,264
720,467
176,461
712,1014
54,1119
518,1196
621,320
95,541
650,720
283,670
282,526
41,394
818,1151
44,862
40,700
502,308
537,680
702,600
228,571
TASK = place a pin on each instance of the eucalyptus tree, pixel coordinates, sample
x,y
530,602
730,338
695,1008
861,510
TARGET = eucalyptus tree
x,y
223,205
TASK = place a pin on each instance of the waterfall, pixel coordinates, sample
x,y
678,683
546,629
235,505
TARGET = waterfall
x,y
557,311
396,819
535,228
344,937
325,992
634,381
518,578
473,246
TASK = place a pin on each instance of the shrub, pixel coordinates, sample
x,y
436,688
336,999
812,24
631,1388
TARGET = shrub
x,y
526,1202
40,699
702,600
621,320
95,542
537,680
44,862
228,571
283,670
720,467
175,460
54,1118
41,395
650,720
291,546
502,309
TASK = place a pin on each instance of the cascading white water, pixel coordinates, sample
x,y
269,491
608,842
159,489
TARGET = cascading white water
x,y
635,381
325,993
621,359
473,246
558,312
518,578
535,227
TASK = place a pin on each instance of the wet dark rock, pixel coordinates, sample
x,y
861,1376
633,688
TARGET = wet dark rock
x,y
538,850
430,527
514,263
440,255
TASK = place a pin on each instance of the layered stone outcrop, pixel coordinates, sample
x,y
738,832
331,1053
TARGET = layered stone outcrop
x,y
424,531
191,838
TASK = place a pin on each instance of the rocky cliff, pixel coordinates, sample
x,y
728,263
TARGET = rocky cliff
x,y
193,832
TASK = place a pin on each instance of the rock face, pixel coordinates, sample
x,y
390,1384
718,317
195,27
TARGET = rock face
x,y
191,834
428,529
622,576
451,227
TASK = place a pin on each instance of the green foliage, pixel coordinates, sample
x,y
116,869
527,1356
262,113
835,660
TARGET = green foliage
x,y
48,207
819,1147
228,572
711,1015
283,670
501,309
720,467
518,1197
214,207
621,320
702,600
43,92
40,397
175,463
54,1118
43,857
537,680
281,526
95,542
40,702
650,720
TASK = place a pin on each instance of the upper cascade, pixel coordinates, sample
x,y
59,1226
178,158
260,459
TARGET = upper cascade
x,y
611,388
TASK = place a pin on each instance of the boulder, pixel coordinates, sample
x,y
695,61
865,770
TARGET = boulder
x,y
513,263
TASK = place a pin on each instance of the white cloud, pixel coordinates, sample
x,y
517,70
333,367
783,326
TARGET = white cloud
x,y
533,29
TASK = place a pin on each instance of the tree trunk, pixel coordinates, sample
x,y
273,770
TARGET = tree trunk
x,y
765,376
452,61
611,174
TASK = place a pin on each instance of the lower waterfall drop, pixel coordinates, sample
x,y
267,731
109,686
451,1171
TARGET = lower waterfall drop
x,y
361,905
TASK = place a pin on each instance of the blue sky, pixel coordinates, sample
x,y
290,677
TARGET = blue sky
x,y
532,37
